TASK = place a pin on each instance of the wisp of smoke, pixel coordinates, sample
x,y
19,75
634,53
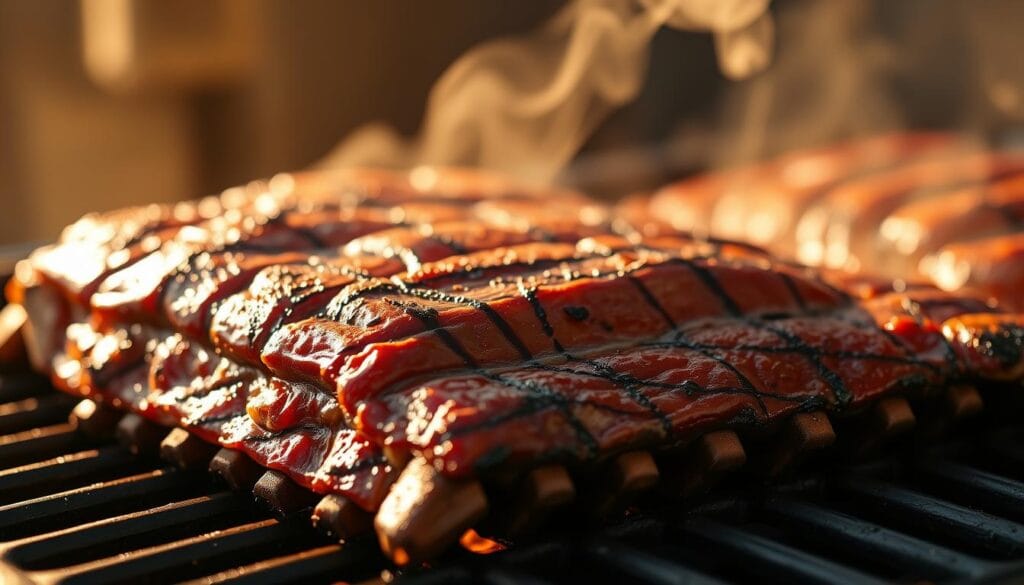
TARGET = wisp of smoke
x,y
525,106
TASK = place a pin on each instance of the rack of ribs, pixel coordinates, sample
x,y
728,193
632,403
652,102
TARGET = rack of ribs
x,y
420,349
930,206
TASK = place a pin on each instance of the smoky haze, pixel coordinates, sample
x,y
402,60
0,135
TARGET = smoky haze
x,y
525,106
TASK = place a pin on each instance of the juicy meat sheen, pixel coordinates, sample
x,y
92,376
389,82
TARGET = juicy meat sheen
x,y
334,328
905,206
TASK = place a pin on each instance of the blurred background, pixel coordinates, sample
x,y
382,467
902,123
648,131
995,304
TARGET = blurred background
x,y
105,103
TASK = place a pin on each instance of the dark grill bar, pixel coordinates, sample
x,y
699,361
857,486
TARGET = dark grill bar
x,y
866,542
75,509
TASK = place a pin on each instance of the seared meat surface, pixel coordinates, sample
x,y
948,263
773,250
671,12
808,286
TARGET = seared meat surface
x,y
906,206
335,328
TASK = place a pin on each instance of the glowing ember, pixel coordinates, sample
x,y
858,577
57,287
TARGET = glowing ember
x,y
474,543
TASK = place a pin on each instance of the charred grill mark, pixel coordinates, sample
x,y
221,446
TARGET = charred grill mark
x,y
710,281
496,319
303,428
421,289
839,390
577,313
794,291
450,243
688,387
606,373
602,371
506,330
651,301
428,317
224,384
539,397
347,297
853,355
364,464
747,384
530,294
211,420
515,268
815,277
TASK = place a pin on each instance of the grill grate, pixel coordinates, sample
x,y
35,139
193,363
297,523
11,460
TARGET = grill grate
x,y
75,509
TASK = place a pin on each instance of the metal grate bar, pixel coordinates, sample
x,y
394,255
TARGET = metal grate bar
x,y
871,543
325,562
758,556
39,444
988,491
113,534
182,559
510,577
65,472
34,412
19,385
635,565
63,509
918,512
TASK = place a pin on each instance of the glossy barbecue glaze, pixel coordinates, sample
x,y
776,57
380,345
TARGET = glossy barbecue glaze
x,y
904,206
334,328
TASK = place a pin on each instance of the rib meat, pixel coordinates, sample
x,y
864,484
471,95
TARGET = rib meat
x,y
904,206
333,337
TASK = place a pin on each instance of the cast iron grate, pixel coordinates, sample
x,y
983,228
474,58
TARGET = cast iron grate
x,y
81,510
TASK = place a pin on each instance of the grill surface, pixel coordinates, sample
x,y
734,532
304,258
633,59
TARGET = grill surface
x,y
80,510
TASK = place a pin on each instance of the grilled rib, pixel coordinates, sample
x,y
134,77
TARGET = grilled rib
x,y
904,206
491,339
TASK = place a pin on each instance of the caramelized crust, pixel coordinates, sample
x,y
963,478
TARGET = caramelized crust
x,y
334,333
906,206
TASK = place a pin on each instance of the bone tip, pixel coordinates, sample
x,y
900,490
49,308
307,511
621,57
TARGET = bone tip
x,y
341,518
550,486
813,430
95,420
546,488
895,415
637,470
281,494
425,512
964,401
236,469
139,435
186,450
724,450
